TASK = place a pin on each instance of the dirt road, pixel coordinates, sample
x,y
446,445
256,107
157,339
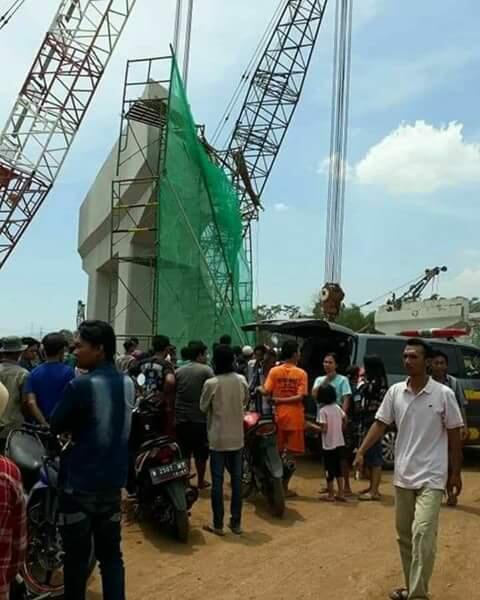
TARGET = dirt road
x,y
336,552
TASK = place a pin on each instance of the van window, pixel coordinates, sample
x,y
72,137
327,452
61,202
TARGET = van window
x,y
452,354
390,351
471,362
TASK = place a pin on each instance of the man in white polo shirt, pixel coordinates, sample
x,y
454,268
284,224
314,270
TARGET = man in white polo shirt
x,y
429,426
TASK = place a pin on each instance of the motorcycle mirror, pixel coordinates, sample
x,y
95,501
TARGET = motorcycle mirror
x,y
141,380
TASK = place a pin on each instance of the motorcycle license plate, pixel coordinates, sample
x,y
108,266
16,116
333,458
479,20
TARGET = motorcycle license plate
x,y
166,472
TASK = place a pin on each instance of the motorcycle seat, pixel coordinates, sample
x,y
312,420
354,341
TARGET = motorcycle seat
x,y
25,450
157,441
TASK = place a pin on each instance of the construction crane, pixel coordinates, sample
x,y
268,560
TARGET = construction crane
x,y
51,106
270,102
64,77
414,291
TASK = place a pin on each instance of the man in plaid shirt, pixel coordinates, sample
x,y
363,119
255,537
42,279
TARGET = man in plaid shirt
x,y
13,526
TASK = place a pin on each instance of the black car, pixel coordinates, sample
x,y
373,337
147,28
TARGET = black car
x,y
317,337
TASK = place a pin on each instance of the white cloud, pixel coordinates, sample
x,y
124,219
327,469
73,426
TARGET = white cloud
x,y
280,207
466,283
420,159
382,83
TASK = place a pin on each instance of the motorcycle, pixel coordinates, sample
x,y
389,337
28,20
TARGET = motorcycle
x,y
36,452
161,475
264,469
19,591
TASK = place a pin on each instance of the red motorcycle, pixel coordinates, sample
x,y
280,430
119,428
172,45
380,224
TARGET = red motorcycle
x,y
161,475
263,468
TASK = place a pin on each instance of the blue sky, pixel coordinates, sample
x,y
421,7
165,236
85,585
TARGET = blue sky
x,y
414,152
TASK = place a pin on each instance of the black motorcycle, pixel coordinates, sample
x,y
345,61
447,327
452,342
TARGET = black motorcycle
x,y
36,453
161,475
263,467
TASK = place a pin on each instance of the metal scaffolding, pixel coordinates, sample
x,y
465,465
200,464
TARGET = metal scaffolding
x,y
135,190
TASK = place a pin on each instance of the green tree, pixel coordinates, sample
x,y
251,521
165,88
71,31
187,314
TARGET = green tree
x,y
350,316
266,312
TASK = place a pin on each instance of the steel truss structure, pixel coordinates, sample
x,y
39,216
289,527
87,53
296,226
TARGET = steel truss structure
x,y
268,109
271,100
51,106
135,193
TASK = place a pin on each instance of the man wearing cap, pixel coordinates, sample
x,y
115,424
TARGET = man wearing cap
x,y
13,531
29,358
243,360
13,377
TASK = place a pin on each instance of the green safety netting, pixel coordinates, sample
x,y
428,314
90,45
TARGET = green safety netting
x,y
204,283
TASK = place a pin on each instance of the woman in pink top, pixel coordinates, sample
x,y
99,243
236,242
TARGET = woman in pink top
x,y
331,421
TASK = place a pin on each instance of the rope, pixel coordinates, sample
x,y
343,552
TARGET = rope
x,y
6,17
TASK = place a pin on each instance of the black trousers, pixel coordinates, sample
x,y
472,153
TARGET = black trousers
x,y
87,519
332,460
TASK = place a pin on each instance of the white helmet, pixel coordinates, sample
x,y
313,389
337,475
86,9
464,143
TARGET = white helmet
x,y
247,351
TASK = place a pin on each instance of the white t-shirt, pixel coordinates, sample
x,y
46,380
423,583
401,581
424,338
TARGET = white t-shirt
x,y
422,420
332,416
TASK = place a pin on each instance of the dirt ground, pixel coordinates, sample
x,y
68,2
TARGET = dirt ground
x,y
336,552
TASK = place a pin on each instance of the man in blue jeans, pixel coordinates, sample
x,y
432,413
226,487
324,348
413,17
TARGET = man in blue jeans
x,y
96,410
224,398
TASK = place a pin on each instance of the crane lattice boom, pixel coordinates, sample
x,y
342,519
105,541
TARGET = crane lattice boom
x,y
270,103
51,105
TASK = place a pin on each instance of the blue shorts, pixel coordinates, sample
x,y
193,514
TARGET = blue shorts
x,y
373,456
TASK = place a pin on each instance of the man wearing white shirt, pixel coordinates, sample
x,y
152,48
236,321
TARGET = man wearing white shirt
x,y
428,457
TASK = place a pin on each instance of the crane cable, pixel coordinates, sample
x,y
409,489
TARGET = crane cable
x,y
338,140
188,39
10,12
244,79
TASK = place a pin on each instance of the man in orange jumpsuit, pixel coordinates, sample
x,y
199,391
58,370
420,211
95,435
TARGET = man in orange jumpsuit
x,y
287,385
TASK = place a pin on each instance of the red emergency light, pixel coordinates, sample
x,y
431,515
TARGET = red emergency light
x,y
452,332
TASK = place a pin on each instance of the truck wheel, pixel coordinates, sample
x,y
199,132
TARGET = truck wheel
x,y
388,450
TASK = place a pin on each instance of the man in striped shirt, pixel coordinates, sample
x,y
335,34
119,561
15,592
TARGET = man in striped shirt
x,y
13,529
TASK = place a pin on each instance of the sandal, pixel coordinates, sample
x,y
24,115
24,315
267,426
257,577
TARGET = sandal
x,y
399,594
216,530
327,499
341,499
369,497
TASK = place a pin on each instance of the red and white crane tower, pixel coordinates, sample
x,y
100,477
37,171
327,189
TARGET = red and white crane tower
x,y
51,106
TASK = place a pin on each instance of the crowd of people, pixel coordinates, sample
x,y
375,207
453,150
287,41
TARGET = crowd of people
x,y
90,394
